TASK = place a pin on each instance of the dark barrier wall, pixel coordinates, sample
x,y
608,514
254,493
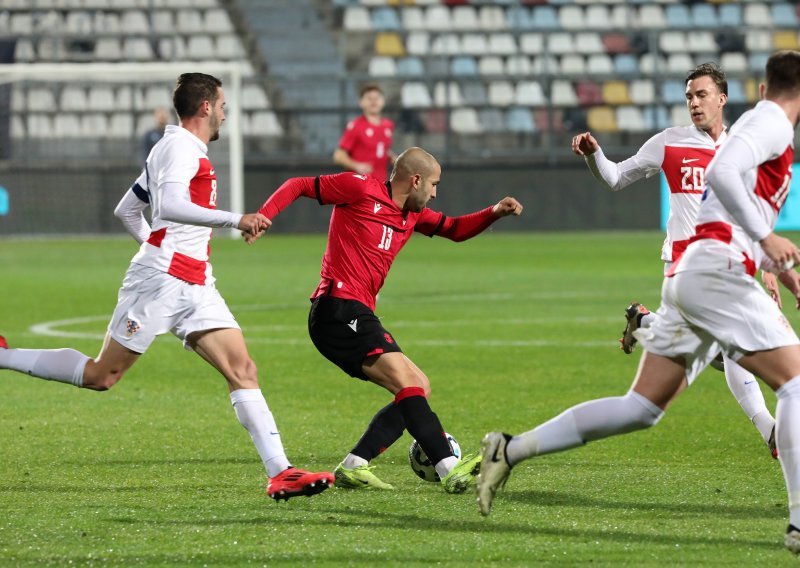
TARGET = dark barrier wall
x,y
81,201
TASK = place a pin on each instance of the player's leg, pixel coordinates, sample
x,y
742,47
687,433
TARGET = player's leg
x,y
225,349
399,375
747,392
658,381
71,366
780,369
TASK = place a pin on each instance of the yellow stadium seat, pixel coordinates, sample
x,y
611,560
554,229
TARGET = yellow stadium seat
x,y
616,93
389,43
751,90
602,119
785,40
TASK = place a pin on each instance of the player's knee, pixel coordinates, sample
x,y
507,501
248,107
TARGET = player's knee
x,y
101,381
645,412
244,374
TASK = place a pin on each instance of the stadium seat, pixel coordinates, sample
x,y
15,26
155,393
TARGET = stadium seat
x,y
529,93
17,127
563,93
520,120
73,97
730,15
758,40
519,18
67,126
79,22
588,42
704,16
672,41
651,16
229,47
559,43
385,19
189,21
501,93
702,42
599,64
474,94
435,121
389,43
446,44
106,49
414,94
622,16
602,119
40,126
464,66
546,64
642,91
673,92
588,92
380,66
474,44
549,120
465,18
108,22
357,19
264,123
616,93
465,121
492,18
544,18
437,18
19,98
630,119
21,24
254,97
134,22
656,118
757,14
502,44
679,116
733,62
94,125
492,120
24,51
41,98
531,43
736,92
418,43
410,67
598,17
571,17
162,21
680,63
518,65
200,47
217,21
758,61
447,94
139,49
677,16
491,65
123,99
784,15
573,64
785,39
751,90
652,65
101,98
616,43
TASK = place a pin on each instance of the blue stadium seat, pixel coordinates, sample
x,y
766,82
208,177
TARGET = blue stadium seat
x,y
492,120
410,67
385,19
758,61
730,15
678,16
464,65
520,120
736,91
656,118
784,15
704,16
626,64
545,18
672,92
519,18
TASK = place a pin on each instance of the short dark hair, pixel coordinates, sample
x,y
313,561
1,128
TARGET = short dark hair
x,y
709,70
369,87
191,90
783,72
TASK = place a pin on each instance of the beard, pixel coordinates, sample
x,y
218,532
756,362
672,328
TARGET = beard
x,y
214,136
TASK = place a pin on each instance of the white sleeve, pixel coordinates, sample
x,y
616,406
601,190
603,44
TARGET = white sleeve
x,y
615,176
130,210
176,206
724,178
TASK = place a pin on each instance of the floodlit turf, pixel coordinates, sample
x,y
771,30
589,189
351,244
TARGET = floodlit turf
x,y
510,328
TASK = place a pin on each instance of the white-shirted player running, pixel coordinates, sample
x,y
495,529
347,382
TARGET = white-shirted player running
x,y
169,285
710,300
683,154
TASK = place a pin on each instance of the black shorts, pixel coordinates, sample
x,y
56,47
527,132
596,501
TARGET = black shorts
x,y
346,332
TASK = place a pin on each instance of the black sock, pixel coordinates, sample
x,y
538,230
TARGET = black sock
x,y
423,424
384,430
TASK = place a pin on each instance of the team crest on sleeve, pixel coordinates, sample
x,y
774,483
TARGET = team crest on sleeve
x,y
132,327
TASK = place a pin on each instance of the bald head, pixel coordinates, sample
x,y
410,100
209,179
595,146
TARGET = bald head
x,y
412,162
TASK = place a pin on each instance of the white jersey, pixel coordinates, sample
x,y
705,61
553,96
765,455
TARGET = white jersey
x,y
682,153
175,248
721,242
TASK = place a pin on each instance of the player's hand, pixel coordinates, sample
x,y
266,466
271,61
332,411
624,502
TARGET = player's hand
x,y
507,206
781,251
362,168
791,279
771,284
253,225
584,144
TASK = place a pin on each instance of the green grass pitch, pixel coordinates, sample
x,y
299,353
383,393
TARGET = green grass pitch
x,y
510,328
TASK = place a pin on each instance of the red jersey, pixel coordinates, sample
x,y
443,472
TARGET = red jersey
x,y
369,143
367,230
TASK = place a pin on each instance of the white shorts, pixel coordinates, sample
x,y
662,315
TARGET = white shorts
x,y
703,313
152,302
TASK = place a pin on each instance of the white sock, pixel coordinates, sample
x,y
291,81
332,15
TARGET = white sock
x,y
583,423
746,390
445,465
353,461
647,320
787,434
253,413
62,365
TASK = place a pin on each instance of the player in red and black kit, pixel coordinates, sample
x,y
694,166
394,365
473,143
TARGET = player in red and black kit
x,y
371,222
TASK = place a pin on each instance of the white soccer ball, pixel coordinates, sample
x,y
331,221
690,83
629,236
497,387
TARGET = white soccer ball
x,y
422,466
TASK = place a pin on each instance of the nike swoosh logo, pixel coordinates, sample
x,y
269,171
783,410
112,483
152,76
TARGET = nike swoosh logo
x,y
687,161
274,433
353,324
748,382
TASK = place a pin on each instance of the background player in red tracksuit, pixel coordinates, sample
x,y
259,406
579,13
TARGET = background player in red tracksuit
x,y
370,223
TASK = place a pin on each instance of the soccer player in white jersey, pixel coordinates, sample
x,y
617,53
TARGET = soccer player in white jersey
x,y
683,154
710,301
169,285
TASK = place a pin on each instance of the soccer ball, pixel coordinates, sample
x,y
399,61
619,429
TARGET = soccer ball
x,y
422,466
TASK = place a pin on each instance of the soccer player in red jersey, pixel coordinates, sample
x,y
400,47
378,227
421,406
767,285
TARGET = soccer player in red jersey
x,y
370,223
366,144
169,285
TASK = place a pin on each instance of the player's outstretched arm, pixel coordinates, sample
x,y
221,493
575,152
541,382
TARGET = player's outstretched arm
x,y
507,206
584,144
252,226
130,210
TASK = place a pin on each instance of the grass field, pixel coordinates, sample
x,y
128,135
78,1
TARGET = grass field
x,y
510,328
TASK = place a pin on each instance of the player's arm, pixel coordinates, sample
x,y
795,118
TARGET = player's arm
x,y
617,175
333,189
341,157
466,226
130,210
